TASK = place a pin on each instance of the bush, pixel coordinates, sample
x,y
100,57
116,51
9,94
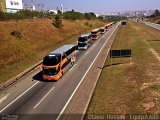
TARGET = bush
x,y
16,34
86,23
57,22
90,25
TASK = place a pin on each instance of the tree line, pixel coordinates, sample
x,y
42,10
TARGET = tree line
x,y
27,14
155,14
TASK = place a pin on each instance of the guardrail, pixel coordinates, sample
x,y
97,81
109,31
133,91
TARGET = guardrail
x,y
17,77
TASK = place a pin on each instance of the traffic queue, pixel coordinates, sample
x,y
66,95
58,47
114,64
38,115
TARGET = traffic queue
x,y
55,62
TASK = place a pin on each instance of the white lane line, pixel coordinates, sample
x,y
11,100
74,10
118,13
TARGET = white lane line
x,y
94,45
5,97
86,53
19,96
72,67
84,76
43,98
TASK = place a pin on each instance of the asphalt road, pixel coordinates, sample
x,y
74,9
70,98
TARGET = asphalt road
x,y
157,26
37,99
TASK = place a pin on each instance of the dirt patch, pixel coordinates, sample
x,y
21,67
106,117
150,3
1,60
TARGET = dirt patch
x,y
148,106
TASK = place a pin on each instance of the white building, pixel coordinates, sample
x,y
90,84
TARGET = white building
x,y
53,11
97,15
33,7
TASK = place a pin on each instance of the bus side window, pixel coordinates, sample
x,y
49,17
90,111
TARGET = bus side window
x,y
70,51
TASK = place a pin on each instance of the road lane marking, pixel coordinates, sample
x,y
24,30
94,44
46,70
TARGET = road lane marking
x,y
86,53
19,96
84,76
72,67
5,97
94,45
43,98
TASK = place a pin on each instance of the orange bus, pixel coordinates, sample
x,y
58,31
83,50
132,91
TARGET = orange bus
x,y
95,34
102,30
55,62
109,25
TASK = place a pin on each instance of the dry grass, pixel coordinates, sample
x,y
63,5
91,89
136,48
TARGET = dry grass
x,y
39,37
130,87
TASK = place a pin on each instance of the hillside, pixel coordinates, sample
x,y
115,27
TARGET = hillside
x,y
38,37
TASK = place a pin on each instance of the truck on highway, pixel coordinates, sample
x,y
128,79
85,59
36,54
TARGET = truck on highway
x,y
84,41
54,63
95,34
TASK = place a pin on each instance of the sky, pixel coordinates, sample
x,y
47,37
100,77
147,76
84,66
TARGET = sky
x,y
100,6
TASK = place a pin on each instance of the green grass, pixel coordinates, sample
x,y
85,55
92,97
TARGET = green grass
x,y
120,89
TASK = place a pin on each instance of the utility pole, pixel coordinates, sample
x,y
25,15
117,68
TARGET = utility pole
x,y
42,7
33,6
61,8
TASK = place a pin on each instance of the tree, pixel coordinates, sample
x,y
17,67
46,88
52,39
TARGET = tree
x,y
72,15
72,10
157,13
90,16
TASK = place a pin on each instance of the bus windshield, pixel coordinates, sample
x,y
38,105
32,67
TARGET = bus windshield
x,y
82,44
82,39
94,32
49,71
94,36
102,30
50,61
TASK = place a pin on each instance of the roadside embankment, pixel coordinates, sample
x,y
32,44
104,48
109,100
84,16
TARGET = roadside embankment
x,y
38,37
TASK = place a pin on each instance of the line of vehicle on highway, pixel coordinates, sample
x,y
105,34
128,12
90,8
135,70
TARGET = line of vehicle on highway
x,y
54,64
